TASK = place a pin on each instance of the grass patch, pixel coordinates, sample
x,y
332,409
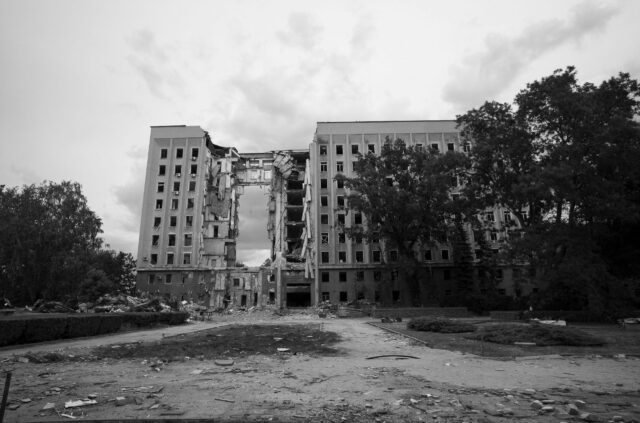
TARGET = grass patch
x,y
230,341
541,335
439,324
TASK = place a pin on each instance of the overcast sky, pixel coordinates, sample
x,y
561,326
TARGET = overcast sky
x,y
82,81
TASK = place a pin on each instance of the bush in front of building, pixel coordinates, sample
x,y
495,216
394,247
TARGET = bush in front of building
x,y
439,324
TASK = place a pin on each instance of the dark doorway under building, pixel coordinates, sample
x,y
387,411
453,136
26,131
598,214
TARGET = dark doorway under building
x,y
298,299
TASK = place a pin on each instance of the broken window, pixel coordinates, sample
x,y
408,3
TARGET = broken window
x,y
489,217
342,256
163,153
372,148
189,203
507,216
176,187
154,240
178,153
215,231
323,150
360,275
157,221
339,166
168,278
450,146
172,240
376,256
377,275
445,254
434,148
174,204
169,258
323,183
161,170
192,186
342,276
324,277
160,186
359,256
357,218
172,220
189,221
325,257
158,204
151,278
340,183
340,200
341,238
186,258
324,238
393,255
323,166
326,296
188,240
154,259
494,236
236,282
324,219
324,200
427,255
194,153
354,148
338,149
194,170
343,296
341,219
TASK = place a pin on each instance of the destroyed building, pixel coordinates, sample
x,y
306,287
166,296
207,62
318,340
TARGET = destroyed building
x,y
193,191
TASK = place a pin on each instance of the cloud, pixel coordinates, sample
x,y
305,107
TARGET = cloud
x,y
482,75
152,63
303,32
129,195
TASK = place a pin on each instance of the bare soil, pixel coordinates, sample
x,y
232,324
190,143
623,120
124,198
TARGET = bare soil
x,y
326,375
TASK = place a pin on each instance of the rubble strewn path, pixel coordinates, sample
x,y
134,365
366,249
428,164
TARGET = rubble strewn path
x,y
436,386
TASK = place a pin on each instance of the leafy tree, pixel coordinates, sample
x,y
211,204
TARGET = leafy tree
x,y
49,244
567,155
404,195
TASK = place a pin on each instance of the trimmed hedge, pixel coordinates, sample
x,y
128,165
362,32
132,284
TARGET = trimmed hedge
x,y
47,327
439,324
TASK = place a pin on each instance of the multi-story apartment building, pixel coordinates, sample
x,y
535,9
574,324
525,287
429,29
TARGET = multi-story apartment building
x,y
190,222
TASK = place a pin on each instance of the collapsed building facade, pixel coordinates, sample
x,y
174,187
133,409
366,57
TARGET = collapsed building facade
x,y
190,224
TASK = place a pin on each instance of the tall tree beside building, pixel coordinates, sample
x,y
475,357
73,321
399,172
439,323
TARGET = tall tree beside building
x,y
567,155
48,242
404,195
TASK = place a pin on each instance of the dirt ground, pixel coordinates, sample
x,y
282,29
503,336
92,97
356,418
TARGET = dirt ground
x,y
334,381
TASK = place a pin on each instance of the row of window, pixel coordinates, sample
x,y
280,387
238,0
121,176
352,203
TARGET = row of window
x,y
186,258
324,183
164,153
176,186
168,278
343,296
371,148
177,170
171,240
173,221
174,203
376,256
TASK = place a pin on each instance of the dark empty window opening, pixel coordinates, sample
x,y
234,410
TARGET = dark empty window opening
x,y
446,274
427,255
194,153
377,275
188,240
190,203
294,232
343,296
294,214
154,259
174,204
294,184
324,219
372,148
326,296
338,149
324,276
169,258
323,183
450,146
192,186
359,256
342,256
179,153
323,166
395,296
160,186
172,220
325,257
342,276
340,183
445,254
339,166
342,238
323,150
236,282
354,148
324,201
176,186
178,170
341,219
393,255
295,198
357,218
154,240
162,169
172,240
158,204
189,221
169,278
163,153
157,221
186,259
216,231
340,200
376,256
194,170
360,275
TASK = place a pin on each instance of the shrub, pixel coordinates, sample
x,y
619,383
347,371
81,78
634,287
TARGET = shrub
x,y
439,324
542,335
110,323
45,329
83,325
12,331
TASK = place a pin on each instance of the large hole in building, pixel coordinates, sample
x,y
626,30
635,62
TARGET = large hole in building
x,y
253,246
